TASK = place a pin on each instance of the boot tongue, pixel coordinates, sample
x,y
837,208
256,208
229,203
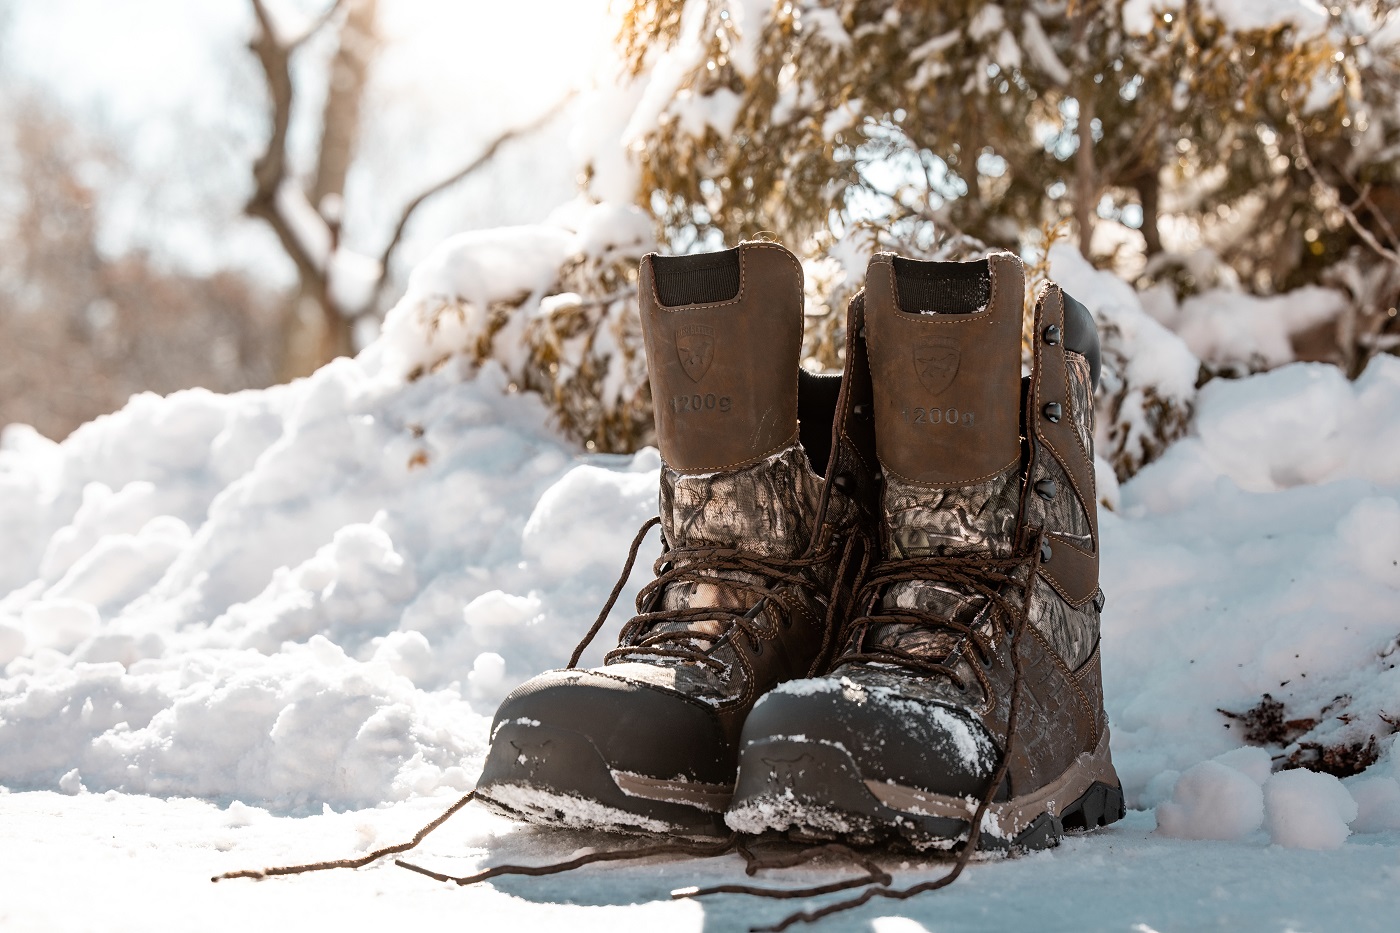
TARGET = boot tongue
x,y
723,337
945,353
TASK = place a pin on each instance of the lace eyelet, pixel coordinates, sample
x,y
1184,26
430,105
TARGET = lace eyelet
x,y
758,648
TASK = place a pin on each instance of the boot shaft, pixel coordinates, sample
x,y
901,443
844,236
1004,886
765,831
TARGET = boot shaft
x,y
723,338
945,341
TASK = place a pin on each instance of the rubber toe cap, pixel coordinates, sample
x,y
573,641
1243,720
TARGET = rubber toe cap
x,y
890,737
635,727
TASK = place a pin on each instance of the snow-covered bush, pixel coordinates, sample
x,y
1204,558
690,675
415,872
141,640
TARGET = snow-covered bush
x,y
554,304
1148,384
1265,132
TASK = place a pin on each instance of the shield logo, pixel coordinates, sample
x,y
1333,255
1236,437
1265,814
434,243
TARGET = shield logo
x,y
695,346
936,361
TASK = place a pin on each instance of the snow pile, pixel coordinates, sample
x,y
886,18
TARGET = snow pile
x,y
1233,795
1377,804
1258,557
1212,801
311,594
1239,333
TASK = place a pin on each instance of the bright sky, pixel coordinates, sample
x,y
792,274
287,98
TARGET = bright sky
x,y
173,82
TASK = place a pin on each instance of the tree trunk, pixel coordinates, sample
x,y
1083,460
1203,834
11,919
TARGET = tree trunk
x,y
1149,189
313,339
340,124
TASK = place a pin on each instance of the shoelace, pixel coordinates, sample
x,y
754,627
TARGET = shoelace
x,y
713,565
684,564
987,577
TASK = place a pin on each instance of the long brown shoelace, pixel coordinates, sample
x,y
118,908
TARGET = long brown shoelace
x,y
986,576
647,632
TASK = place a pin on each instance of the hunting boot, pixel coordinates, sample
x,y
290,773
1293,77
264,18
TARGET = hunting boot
x,y
758,550
969,677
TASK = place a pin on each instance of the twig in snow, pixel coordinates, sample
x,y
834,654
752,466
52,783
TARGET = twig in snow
x,y
349,862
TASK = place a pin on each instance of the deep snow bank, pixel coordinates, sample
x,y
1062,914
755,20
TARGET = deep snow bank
x,y
305,595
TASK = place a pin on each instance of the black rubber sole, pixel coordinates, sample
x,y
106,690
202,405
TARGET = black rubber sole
x,y
814,792
557,777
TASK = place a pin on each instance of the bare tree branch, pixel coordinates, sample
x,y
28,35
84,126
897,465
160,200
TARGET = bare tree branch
x,y
485,156
1360,229
319,24
270,169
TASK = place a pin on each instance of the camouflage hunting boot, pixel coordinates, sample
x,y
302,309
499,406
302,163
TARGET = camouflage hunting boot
x,y
760,555
969,679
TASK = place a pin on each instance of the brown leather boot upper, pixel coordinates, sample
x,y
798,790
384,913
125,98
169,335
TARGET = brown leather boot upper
x,y
984,599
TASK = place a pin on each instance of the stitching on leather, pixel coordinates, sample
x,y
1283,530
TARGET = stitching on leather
x,y
1069,600
1043,433
1060,536
744,249
1084,671
993,261
752,461
1069,677
951,485
854,449
1051,290
743,286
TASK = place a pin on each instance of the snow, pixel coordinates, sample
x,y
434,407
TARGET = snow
x,y
1229,330
452,292
1212,801
1377,805
1148,384
1306,17
1307,810
1041,52
143,864
825,23
240,630
313,594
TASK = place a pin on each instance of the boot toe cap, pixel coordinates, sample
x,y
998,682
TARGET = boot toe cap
x,y
631,726
889,736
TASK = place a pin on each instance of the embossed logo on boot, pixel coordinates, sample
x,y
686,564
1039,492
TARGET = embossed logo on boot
x,y
695,345
936,361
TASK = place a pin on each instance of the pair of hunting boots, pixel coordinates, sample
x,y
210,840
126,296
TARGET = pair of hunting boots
x,y
875,617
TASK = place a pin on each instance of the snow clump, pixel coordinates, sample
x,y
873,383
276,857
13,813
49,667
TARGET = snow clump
x,y
1307,810
1212,801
